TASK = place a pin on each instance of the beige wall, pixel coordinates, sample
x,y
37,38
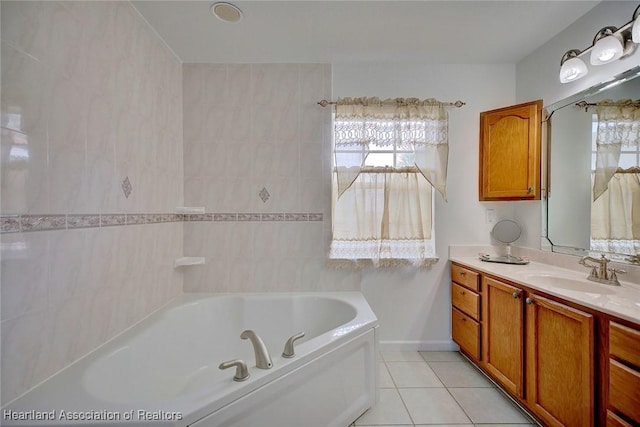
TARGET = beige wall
x,y
90,95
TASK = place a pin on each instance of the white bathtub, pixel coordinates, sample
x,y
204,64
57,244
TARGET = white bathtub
x,y
164,371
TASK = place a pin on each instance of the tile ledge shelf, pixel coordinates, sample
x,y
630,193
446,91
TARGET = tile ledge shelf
x,y
188,261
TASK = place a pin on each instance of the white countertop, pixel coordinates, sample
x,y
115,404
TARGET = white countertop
x,y
620,301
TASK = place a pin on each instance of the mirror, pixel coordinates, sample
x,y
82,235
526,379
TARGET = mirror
x,y
572,222
507,232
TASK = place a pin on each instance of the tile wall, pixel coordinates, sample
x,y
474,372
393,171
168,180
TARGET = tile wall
x,y
91,99
257,154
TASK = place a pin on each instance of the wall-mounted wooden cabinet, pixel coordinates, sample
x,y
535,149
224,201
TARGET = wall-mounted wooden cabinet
x,y
510,153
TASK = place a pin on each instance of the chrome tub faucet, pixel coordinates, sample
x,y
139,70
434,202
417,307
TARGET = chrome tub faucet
x,y
263,359
242,373
600,273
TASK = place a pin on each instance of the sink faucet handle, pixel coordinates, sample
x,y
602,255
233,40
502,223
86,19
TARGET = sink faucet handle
x,y
242,372
613,275
288,347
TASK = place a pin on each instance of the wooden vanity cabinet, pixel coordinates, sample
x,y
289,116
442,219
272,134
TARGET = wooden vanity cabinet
x,y
560,362
503,334
624,376
465,310
540,350
510,152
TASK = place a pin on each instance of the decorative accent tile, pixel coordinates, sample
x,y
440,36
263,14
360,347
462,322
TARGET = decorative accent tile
x,y
249,217
200,217
83,221
272,217
107,220
264,195
296,217
136,219
10,223
315,217
172,217
154,218
225,217
127,188
43,222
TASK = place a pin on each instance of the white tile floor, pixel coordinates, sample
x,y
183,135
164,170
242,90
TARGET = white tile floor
x,y
437,389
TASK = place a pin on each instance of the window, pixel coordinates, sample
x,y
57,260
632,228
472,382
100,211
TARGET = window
x,y
388,155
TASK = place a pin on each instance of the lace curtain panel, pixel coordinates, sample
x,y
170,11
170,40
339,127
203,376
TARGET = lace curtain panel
x,y
615,216
384,218
388,156
363,125
618,127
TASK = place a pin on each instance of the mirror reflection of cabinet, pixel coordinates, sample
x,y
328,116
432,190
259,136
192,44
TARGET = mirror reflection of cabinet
x,y
510,153
572,221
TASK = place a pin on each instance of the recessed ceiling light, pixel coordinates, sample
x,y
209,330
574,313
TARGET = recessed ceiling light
x,y
226,12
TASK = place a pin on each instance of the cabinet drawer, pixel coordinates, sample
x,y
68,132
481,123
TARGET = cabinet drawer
x,y
465,277
624,343
465,300
466,332
624,390
615,421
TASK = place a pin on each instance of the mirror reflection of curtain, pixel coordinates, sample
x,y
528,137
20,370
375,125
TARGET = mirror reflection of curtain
x,y
615,215
618,126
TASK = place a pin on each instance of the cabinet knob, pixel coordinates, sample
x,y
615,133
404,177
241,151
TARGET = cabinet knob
x,y
461,292
516,295
529,301
462,273
530,189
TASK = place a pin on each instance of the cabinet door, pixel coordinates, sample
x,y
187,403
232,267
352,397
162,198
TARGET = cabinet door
x,y
560,363
503,340
510,152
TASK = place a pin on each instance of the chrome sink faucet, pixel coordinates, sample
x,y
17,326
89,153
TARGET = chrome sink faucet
x,y
600,273
263,359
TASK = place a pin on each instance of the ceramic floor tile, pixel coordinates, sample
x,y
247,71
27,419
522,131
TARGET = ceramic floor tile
x,y
442,356
487,405
433,406
402,356
389,410
385,378
412,374
459,374
502,425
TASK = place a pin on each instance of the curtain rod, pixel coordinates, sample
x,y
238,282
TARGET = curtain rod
x,y
586,105
458,103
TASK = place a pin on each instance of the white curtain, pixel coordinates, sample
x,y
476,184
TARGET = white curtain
x,y
382,215
618,126
384,218
403,124
615,216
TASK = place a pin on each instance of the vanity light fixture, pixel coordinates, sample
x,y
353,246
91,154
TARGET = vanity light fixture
x,y
571,67
609,44
635,31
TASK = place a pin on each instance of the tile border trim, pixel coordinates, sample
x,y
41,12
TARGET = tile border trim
x,y
16,223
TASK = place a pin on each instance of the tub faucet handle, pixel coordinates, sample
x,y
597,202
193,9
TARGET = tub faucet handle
x,y
242,372
263,359
288,347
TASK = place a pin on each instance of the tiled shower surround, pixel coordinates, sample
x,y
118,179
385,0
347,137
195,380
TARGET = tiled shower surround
x,y
257,144
90,96
93,166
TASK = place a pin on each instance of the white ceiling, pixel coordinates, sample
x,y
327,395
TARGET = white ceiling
x,y
443,32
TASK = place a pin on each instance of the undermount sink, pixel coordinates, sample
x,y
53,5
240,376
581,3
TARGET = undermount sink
x,y
571,284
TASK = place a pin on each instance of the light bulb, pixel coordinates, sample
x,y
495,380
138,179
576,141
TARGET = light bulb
x,y
571,67
605,50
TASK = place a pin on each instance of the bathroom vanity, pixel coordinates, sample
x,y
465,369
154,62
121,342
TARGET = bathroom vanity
x,y
567,349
